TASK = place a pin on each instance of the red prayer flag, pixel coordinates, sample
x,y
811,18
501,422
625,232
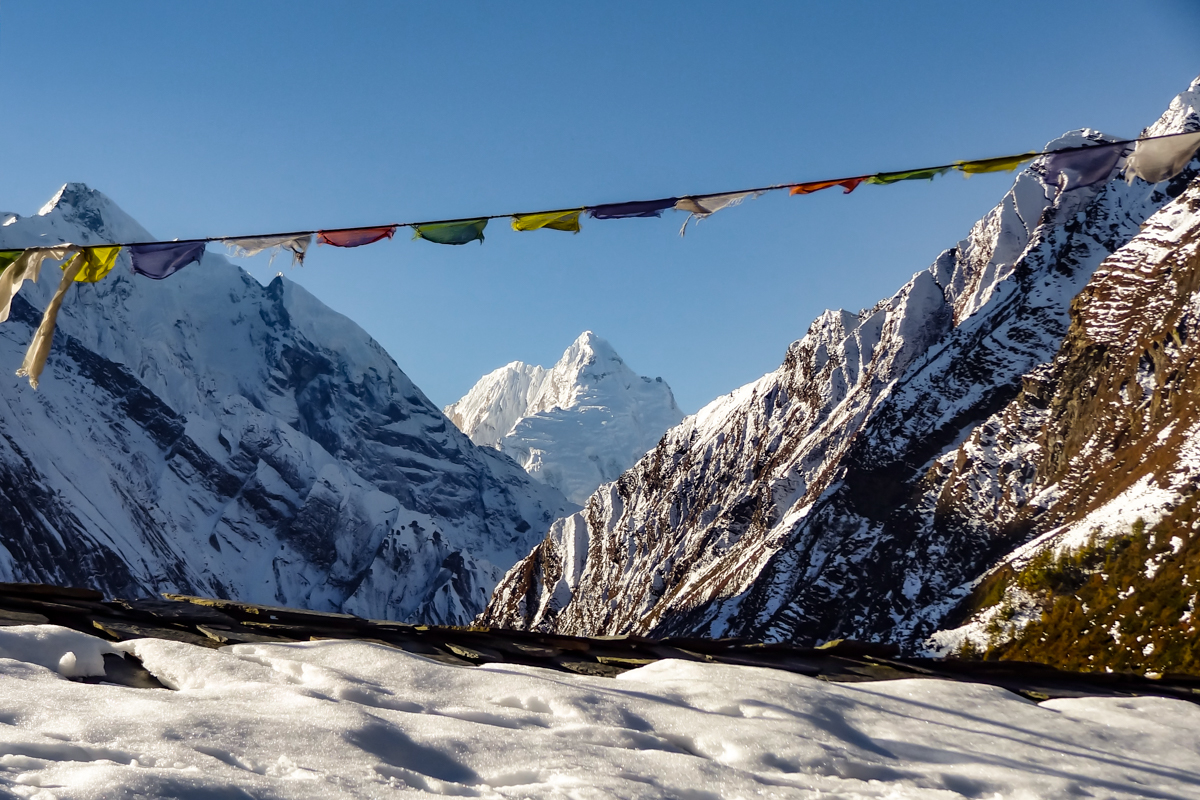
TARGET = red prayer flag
x,y
849,184
356,237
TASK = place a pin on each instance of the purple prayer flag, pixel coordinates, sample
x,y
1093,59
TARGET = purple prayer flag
x,y
643,208
1082,167
162,259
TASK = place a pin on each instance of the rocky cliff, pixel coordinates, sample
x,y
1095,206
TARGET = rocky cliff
x,y
798,507
1098,457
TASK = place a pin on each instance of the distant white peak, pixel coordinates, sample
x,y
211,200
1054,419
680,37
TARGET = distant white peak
x,y
72,194
589,350
574,426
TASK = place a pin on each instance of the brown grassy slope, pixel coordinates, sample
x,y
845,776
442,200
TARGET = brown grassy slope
x,y
1127,604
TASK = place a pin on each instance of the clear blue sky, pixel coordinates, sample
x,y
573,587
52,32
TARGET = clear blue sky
x,y
244,117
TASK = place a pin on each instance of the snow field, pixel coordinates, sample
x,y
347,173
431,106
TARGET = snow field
x,y
356,719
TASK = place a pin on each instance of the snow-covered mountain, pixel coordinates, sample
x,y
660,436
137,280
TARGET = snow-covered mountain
x,y
574,426
206,434
1098,458
795,508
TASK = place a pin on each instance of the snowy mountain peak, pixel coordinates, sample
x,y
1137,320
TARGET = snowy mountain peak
x,y
588,350
1182,115
76,214
791,509
210,435
575,425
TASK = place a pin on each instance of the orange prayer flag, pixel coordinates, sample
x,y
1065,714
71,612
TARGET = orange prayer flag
x,y
849,184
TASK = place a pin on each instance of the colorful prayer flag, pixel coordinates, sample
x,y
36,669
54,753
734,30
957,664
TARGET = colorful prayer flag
x,y
642,208
95,263
1001,164
356,237
27,267
1156,160
701,207
162,259
253,245
9,256
885,178
39,348
1078,168
850,184
555,220
451,232
711,204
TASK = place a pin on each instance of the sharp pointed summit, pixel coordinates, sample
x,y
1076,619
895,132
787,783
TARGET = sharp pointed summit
x,y
574,426
210,435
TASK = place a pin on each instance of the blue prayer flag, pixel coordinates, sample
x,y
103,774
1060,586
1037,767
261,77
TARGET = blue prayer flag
x,y
162,259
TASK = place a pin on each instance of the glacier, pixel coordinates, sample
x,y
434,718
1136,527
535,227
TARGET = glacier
x,y
574,426
210,435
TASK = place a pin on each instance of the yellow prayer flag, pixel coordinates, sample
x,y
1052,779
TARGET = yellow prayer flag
x,y
555,220
97,262
1002,164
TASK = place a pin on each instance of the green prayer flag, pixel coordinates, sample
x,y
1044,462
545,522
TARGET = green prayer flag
x,y
1002,164
452,232
555,220
7,257
884,178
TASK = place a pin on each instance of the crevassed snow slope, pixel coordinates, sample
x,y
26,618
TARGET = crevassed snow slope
x,y
574,426
355,719
206,434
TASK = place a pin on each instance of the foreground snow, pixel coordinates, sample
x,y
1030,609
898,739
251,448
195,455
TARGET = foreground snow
x,y
355,719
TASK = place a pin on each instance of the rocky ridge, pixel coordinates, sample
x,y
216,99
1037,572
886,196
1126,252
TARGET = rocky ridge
x,y
1098,458
794,509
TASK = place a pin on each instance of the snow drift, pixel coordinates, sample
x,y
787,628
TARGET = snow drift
x,y
355,719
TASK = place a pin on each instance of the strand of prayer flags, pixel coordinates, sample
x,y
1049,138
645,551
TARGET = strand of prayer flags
x,y
1154,159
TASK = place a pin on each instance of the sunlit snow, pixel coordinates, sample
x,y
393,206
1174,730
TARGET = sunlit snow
x,y
355,719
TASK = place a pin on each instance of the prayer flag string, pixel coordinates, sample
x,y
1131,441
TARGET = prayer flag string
x,y
1153,159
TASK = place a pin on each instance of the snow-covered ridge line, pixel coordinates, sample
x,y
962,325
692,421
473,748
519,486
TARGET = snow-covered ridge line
x,y
574,426
210,435
792,509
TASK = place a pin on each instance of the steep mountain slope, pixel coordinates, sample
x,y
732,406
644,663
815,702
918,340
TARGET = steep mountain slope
x,y
211,435
791,509
1099,457
574,426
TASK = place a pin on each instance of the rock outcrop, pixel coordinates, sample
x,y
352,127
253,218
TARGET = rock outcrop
x,y
798,508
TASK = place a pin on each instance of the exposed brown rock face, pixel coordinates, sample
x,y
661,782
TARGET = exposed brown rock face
x,y
1100,457
842,495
